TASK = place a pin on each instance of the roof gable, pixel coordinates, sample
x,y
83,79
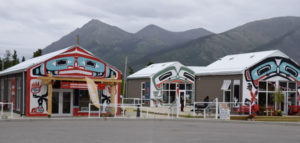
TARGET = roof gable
x,y
235,64
150,70
34,61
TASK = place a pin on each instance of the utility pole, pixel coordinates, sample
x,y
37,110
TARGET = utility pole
x,y
77,39
124,78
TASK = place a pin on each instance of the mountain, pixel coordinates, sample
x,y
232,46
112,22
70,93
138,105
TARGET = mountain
x,y
112,44
281,33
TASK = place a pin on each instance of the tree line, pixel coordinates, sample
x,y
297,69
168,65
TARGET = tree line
x,y
11,58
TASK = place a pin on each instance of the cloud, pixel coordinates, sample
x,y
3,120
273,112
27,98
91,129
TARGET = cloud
x,y
31,24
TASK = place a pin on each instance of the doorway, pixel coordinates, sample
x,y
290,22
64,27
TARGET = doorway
x,y
182,95
62,101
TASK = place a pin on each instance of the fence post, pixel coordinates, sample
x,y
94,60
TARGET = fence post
x,y
147,112
204,113
124,109
99,113
12,110
2,108
217,108
89,116
194,113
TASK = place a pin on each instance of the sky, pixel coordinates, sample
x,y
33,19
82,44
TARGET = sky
x,y
27,25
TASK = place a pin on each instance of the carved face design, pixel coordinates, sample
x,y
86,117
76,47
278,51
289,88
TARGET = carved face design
x,y
170,74
75,66
275,66
71,66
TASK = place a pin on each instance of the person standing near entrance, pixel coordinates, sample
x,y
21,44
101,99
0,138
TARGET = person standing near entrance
x,y
181,103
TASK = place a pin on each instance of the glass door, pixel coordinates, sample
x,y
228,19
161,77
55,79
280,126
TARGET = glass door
x,y
55,102
62,103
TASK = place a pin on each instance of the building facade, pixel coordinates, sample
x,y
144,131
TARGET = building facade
x,y
62,74
253,79
161,84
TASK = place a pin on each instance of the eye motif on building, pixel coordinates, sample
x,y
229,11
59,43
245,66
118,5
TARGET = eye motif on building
x,y
70,66
170,75
74,66
269,68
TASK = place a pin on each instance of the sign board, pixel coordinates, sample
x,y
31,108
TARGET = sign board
x,y
224,111
80,85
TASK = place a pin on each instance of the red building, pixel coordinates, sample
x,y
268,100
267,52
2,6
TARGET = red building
x,y
61,76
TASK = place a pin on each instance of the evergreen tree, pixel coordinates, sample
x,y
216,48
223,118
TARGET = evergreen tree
x,y
1,64
37,53
23,59
7,61
150,63
131,71
15,59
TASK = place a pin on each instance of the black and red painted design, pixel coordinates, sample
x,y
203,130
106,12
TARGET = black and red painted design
x,y
269,68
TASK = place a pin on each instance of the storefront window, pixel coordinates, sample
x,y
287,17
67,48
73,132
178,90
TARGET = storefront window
x,y
292,86
283,86
84,100
169,93
271,86
181,86
262,86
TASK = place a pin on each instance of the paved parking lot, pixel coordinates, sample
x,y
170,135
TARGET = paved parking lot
x,y
145,131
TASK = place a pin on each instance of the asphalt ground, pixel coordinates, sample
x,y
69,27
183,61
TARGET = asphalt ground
x,y
146,131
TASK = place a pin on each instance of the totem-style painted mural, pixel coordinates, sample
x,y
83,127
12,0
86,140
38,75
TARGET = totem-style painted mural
x,y
265,70
173,74
74,62
38,97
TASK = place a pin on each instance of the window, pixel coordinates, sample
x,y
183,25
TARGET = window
x,y
18,93
226,90
266,90
262,86
84,100
236,90
292,86
188,94
227,96
169,93
143,90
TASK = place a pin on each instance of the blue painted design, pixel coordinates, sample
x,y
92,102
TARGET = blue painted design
x,y
53,65
283,69
98,67
254,72
42,69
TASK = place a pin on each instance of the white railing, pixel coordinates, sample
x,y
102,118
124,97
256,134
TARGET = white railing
x,y
4,106
196,110
238,108
120,111
206,108
131,101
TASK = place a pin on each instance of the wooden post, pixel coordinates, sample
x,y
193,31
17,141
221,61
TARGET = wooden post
x,y
49,82
112,95
49,99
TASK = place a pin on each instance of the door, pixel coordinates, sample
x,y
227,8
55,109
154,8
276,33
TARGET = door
x,y
182,96
62,102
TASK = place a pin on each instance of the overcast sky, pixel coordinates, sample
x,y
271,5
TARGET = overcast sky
x,y
26,25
